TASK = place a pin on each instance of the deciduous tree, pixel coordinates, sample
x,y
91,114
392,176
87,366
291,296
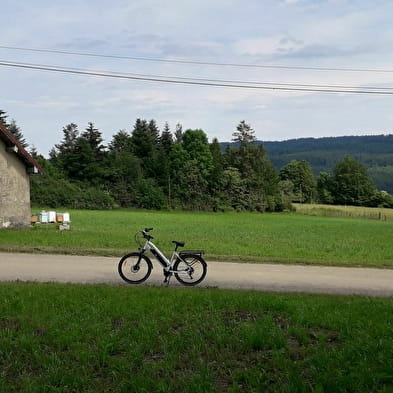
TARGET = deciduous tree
x,y
351,183
300,174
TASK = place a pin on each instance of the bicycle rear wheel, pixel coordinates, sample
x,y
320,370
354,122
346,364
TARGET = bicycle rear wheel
x,y
135,268
190,269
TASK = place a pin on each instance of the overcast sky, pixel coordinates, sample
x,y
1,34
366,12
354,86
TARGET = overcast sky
x,y
293,33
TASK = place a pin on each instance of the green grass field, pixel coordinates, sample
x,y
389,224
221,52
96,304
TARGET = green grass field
x,y
71,338
97,338
283,238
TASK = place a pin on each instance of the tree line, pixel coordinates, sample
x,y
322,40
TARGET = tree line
x,y
348,184
373,151
153,169
160,169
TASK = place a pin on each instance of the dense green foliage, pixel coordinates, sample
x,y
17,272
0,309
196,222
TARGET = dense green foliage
x,y
71,338
151,169
154,170
373,151
247,237
350,184
298,181
53,189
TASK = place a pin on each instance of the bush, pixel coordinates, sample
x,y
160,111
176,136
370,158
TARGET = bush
x,y
148,195
94,198
381,199
55,192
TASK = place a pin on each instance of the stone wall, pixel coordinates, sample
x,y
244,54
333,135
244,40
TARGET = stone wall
x,y
14,190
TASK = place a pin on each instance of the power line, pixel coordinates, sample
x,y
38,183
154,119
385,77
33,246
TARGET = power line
x,y
196,82
177,61
290,84
223,81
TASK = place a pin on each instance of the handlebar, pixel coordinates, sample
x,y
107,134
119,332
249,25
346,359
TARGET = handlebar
x,y
146,235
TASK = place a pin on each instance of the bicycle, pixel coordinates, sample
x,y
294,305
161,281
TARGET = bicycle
x,y
188,266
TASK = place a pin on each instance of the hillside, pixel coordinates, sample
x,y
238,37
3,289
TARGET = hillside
x,y
373,151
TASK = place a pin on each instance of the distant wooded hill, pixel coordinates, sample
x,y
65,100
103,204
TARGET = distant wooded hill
x,y
373,151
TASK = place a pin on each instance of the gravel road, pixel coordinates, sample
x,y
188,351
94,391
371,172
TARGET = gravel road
x,y
261,277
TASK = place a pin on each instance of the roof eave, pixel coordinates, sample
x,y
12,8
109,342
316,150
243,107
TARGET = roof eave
x,y
14,146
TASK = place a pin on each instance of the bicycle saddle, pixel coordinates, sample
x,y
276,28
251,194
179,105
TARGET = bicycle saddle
x,y
178,244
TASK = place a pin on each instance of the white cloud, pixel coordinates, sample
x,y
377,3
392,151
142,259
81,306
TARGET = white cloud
x,y
331,33
292,1
267,46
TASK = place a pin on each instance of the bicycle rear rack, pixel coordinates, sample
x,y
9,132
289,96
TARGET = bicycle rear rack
x,y
191,252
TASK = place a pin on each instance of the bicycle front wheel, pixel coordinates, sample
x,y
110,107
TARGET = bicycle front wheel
x,y
135,268
190,269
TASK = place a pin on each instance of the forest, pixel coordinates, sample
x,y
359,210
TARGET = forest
x,y
375,152
151,169
159,169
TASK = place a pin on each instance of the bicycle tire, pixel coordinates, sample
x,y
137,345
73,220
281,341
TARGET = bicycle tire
x,y
195,269
129,266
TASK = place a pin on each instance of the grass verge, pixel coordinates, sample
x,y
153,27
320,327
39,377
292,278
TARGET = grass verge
x,y
70,338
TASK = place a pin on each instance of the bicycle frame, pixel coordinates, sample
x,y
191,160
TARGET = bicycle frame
x,y
165,262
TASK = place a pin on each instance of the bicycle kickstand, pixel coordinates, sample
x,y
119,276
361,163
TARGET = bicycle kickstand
x,y
167,278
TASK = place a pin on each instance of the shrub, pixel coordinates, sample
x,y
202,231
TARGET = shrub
x,y
148,195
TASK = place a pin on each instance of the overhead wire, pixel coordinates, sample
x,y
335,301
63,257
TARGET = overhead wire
x,y
224,81
197,62
205,82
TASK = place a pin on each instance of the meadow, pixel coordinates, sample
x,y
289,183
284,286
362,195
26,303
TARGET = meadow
x,y
368,213
99,338
71,338
243,237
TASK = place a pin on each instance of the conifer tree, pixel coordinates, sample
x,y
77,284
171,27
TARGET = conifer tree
x,y
244,134
154,132
261,180
94,138
34,152
121,142
141,138
70,136
3,118
166,139
17,132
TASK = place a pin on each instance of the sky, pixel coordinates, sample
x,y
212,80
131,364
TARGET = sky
x,y
286,39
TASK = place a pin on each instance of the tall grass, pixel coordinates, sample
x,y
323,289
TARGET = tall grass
x,y
369,213
284,238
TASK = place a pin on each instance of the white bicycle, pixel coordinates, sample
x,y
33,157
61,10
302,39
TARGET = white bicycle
x,y
189,267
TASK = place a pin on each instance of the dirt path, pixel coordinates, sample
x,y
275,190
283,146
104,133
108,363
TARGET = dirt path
x,y
262,277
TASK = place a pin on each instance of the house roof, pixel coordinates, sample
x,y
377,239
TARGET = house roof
x,y
14,145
